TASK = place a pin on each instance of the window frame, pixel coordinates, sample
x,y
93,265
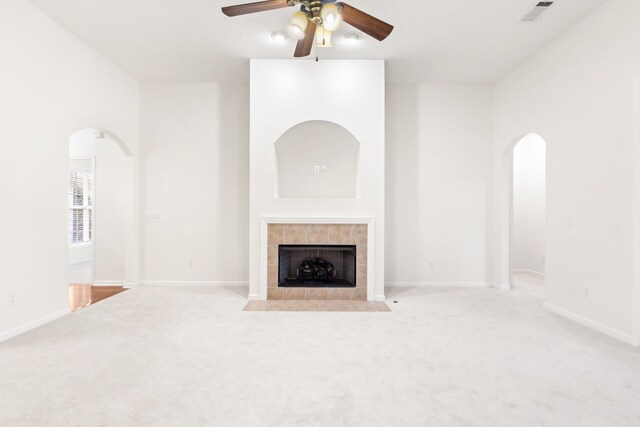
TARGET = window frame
x,y
85,206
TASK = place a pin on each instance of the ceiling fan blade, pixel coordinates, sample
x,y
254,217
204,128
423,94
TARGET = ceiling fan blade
x,y
303,48
366,23
259,6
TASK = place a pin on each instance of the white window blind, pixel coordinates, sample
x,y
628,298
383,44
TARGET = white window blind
x,y
80,206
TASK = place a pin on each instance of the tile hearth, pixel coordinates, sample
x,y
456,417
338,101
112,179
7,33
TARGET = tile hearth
x,y
335,306
317,234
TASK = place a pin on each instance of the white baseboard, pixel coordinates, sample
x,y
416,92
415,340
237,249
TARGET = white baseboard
x,y
379,298
439,284
32,325
614,333
108,283
242,283
191,283
502,287
526,270
254,297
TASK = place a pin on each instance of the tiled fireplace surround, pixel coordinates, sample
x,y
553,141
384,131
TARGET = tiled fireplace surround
x,y
317,234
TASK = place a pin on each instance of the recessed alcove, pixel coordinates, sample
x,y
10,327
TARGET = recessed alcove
x,y
317,159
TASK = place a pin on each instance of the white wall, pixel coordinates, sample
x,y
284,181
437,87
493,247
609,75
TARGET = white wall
x,y
438,170
196,182
577,94
529,156
112,203
349,93
52,85
437,182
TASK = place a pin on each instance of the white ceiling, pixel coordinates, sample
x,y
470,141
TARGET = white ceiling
x,y
444,41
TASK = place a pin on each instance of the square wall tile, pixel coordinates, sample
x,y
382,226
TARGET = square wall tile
x,y
275,234
317,293
295,234
359,294
361,255
361,276
318,234
338,294
275,294
272,255
339,234
298,294
272,276
359,234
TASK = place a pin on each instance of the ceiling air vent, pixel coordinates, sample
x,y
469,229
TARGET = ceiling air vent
x,y
537,11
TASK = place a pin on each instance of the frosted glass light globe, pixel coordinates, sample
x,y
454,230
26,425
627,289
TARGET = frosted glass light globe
x,y
331,17
298,25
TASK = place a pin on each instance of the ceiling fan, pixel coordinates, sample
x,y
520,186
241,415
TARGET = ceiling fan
x,y
316,19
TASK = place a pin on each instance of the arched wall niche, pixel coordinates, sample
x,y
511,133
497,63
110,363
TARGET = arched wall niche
x,y
317,159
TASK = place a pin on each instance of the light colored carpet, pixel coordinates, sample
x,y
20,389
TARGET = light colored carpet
x,y
444,357
529,284
311,305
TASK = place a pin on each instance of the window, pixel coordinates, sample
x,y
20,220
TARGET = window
x,y
80,204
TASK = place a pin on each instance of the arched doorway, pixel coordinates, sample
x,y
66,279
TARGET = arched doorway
x,y
524,215
99,210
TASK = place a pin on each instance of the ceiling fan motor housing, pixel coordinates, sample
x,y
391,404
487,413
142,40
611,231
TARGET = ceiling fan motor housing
x,y
313,8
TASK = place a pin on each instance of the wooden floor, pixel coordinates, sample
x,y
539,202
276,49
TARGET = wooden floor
x,y
82,294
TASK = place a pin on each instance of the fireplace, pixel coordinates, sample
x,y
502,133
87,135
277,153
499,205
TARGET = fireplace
x,y
329,266
317,261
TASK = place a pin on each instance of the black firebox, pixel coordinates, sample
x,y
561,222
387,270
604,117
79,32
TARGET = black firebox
x,y
323,266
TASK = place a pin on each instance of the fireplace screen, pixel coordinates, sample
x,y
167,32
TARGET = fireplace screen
x,y
332,266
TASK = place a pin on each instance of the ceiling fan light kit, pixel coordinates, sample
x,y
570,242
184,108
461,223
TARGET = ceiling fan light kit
x,y
316,20
331,17
298,25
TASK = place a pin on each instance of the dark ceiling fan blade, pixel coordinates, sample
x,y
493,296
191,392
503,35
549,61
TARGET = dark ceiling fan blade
x,y
259,6
303,48
366,23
